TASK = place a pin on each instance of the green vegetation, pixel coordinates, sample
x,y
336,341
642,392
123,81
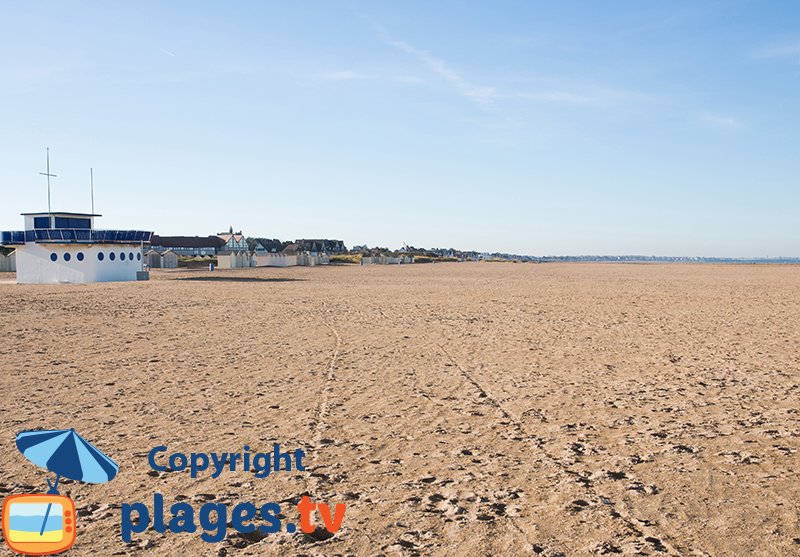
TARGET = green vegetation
x,y
346,258
195,262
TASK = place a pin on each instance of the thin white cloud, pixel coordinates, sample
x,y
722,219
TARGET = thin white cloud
x,y
721,120
165,51
487,96
342,75
785,50
479,94
582,95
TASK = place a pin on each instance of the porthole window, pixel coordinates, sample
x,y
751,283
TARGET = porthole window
x,y
67,257
138,257
100,256
80,256
122,256
130,256
53,257
112,256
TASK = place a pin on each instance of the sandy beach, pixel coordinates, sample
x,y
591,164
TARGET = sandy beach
x,y
457,409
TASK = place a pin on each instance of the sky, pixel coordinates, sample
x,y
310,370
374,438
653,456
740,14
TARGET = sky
x,y
539,128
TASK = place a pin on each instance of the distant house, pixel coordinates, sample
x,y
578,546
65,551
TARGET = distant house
x,y
235,252
268,245
233,242
320,246
291,249
188,245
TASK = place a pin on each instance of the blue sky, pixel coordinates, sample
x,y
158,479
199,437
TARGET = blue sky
x,y
666,128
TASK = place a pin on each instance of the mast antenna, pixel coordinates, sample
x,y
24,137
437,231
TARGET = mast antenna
x,y
49,210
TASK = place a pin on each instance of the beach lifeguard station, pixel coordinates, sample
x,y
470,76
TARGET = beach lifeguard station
x,y
59,247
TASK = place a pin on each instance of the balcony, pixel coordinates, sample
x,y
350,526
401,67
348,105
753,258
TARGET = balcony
x,y
73,236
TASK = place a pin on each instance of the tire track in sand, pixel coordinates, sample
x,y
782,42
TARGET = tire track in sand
x,y
320,422
321,536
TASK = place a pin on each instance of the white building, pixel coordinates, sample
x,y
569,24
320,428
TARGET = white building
x,y
65,248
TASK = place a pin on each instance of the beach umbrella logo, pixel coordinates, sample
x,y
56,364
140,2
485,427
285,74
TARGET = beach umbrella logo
x,y
44,523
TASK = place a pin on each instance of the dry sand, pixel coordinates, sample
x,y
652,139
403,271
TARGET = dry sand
x,y
458,409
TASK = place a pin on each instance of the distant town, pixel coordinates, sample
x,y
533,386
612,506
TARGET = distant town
x,y
338,252
234,250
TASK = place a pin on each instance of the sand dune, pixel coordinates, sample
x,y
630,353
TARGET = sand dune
x,y
457,409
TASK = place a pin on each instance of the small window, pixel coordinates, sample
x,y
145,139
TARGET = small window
x,y
53,257
41,222
130,256
67,257
100,256
112,256
122,256
80,256
70,222
138,257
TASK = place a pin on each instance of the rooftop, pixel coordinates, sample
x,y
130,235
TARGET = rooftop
x,y
60,214
187,241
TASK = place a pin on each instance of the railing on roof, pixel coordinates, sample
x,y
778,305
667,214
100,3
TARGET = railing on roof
x,y
74,236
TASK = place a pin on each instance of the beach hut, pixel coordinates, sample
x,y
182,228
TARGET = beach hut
x,y
8,262
276,260
153,259
226,260
169,260
233,259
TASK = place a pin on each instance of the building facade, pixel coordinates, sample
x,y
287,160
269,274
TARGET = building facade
x,y
66,248
233,242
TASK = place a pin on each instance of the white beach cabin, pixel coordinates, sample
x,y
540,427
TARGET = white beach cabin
x,y
65,248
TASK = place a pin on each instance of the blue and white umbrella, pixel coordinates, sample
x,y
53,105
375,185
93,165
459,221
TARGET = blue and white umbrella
x,y
67,454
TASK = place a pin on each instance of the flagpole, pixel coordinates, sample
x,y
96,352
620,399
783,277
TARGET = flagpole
x,y
49,209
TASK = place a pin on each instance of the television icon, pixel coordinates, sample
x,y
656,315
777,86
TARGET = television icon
x,y
39,524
